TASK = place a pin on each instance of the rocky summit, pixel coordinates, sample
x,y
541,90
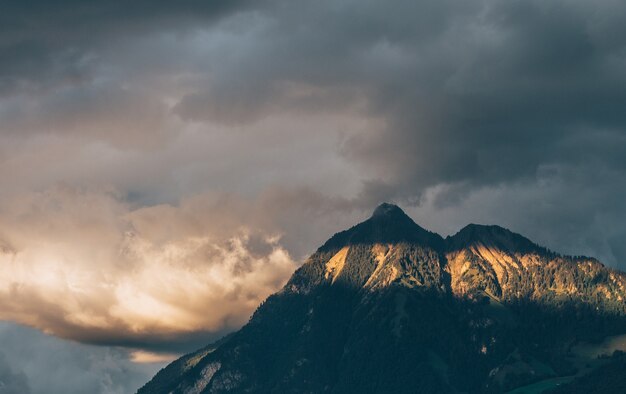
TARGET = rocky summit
x,y
389,307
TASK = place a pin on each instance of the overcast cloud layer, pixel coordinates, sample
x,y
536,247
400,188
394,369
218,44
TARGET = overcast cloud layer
x,y
166,165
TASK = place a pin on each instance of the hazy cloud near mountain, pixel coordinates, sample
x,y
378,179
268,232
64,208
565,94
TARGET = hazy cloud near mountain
x,y
205,147
12,382
32,362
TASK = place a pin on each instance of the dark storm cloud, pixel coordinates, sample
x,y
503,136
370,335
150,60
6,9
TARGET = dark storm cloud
x,y
302,116
473,95
480,92
44,42
510,106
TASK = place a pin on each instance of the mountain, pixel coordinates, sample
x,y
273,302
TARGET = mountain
x,y
389,307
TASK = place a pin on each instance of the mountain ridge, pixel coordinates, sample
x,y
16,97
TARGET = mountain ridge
x,y
389,215
366,311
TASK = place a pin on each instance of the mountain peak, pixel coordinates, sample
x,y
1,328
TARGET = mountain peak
x,y
388,210
492,235
388,224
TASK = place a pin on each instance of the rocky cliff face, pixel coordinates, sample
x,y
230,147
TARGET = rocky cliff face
x,y
388,307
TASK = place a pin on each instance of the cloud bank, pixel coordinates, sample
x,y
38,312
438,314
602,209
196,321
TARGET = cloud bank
x,y
86,266
204,148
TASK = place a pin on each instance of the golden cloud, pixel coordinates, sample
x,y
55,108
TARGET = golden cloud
x,y
85,265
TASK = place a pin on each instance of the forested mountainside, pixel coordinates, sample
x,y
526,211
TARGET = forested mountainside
x,y
389,307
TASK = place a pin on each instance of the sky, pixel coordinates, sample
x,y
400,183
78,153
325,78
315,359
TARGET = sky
x,y
165,166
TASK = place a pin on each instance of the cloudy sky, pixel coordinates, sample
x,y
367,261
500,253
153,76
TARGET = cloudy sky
x,y
164,166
